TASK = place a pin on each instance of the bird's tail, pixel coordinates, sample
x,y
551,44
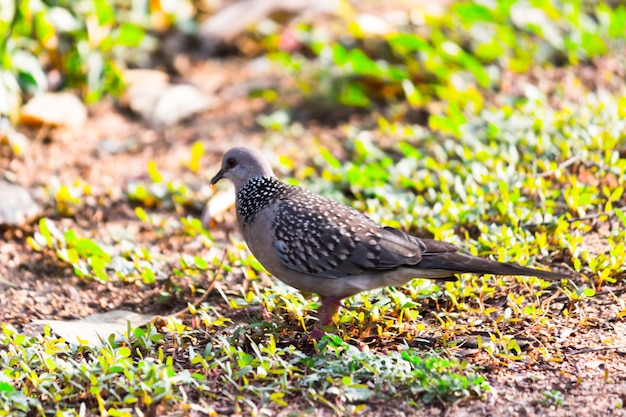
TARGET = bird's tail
x,y
458,263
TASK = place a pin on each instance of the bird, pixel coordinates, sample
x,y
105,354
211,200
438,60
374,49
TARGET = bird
x,y
318,245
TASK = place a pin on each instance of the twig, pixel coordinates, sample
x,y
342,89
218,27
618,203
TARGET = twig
x,y
42,133
8,283
562,165
598,349
575,219
208,290
596,215
617,291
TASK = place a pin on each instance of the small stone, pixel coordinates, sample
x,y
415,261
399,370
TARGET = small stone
x,y
17,207
54,109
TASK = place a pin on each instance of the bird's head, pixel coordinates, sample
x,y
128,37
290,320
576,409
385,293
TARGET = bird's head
x,y
240,164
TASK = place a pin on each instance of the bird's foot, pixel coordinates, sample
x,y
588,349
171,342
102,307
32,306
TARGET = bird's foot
x,y
326,312
317,333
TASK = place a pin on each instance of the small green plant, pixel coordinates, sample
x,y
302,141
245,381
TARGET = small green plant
x,y
87,258
92,260
346,370
197,151
83,48
159,193
451,60
45,373
553,398
69,198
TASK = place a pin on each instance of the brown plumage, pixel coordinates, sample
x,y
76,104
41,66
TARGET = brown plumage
x,y
319,245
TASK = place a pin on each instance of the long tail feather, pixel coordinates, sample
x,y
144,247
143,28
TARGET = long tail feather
x,y
457,262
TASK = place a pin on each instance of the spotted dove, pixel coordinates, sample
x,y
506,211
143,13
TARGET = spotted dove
x,y
318,245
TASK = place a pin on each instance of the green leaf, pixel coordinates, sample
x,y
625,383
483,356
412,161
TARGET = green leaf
x,y
277,397
98,266
50,364
154,173
589,292
197,150
413,95
353,95
616,194
200,263
124,352
405,43
620,215
618,22
489,51
340,55
141,214
31,76
593,44
44,28
6,387
476,68
470,13
358,394
147,276
45,231
361,64
104,12
129,35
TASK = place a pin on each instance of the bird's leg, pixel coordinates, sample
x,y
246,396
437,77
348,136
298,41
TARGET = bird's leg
x,y
325,313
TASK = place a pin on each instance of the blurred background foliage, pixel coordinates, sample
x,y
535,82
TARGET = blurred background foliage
x,y
84,45
78,45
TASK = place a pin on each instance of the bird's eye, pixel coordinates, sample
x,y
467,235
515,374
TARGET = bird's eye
x,y
231,163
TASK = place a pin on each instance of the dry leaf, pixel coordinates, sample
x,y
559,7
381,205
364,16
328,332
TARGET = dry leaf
x,y
96,328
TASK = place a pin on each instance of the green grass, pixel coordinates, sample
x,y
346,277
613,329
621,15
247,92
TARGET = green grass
x,y
45,373
504,197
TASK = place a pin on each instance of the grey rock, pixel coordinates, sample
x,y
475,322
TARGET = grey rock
x,y
16,205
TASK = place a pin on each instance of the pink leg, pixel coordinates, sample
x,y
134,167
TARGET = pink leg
x,y
325,312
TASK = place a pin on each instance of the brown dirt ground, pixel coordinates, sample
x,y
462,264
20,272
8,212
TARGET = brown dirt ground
x,y
32,286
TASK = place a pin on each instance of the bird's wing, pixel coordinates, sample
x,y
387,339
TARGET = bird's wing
x,y
321,237
433,248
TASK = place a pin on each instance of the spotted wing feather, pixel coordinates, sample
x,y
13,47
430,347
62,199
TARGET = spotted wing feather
x,y
319,236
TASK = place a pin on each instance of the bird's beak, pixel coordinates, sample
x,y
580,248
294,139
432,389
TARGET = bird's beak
x,y
217,177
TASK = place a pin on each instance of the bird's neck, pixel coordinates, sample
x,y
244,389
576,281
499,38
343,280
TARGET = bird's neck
x,y
257,194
